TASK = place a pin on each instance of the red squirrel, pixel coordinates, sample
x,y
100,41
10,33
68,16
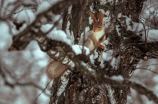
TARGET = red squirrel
x,y
92,40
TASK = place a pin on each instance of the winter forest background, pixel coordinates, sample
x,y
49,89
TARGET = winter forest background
x,y
32,30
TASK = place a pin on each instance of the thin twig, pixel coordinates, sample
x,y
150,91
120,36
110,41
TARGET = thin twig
x,y
43,90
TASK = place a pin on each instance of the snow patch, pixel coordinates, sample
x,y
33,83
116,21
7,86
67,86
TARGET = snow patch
x,y
43,7
55,34
5,37
93,57
78,49
118,78
108,56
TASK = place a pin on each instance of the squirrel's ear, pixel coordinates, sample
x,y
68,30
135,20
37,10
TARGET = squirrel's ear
x,y
101,16
93,17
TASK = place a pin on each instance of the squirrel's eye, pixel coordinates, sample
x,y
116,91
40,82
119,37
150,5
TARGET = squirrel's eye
x,y
99,27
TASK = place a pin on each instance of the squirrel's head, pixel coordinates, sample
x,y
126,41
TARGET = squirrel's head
x,y
97,25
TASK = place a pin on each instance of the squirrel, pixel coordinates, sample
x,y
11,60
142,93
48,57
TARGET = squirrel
x,y
93,37
55,69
